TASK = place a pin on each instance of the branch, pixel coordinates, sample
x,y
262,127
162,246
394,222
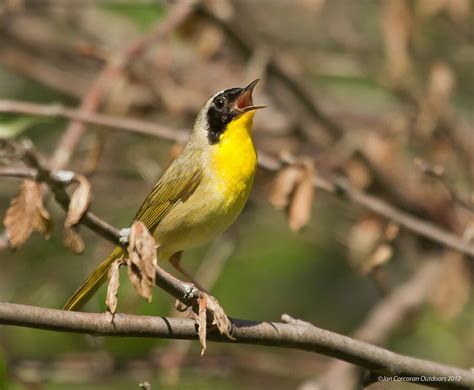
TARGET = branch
x,y
336,185
246,47
380,322
92,100
111,121
297,334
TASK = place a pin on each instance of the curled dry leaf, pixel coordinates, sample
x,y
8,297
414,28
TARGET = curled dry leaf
x,y
80,201
283,186
112,289
202,322
363,239
142,259
27,213
220,319
209,304
299,209
380,256
73,240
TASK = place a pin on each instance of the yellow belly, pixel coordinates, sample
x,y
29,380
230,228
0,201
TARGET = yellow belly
x,y
219,197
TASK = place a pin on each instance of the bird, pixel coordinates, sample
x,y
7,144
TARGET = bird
x,y
202,192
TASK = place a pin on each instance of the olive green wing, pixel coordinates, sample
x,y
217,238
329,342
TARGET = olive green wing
x,y
177,184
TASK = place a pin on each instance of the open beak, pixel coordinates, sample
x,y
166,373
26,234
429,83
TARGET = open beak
x,y
244,102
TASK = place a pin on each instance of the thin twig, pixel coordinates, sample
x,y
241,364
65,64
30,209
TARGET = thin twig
x,y
301,336
92,100
274,69
297,334
384,317
335,185
112,121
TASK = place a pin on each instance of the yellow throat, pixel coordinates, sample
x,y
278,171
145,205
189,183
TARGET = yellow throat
x,y
234,159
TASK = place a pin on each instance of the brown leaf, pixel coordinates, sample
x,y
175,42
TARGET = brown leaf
x,y
220,319
358,173
436,103
283,186
391,231
80,201
299,210
73,240
363,239
142,259
380,256
202,321
112,289
397,26
210,305
27,213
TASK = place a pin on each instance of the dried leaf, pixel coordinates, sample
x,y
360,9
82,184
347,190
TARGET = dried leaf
x,y
363,239
80,201
73,240
209,41
112,289
142,259
220,319
441,83
299,210
202,321
436,103
283,186
209,304
27,213
358,173
391,231
397,21
381,255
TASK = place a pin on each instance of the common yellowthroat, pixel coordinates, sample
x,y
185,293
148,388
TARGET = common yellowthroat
x,y
202,192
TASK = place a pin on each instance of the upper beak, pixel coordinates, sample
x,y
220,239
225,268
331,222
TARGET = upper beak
x,y
244,102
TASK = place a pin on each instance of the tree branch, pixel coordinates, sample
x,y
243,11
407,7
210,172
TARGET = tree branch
x,y
380,322
92,100
297,335
335,185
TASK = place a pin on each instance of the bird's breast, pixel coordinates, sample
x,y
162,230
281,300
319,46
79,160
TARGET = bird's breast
x,y
219,197
234,160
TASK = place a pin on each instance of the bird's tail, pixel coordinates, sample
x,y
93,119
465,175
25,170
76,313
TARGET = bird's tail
x,y
93,282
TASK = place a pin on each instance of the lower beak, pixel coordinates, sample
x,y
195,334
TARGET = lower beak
x,y
244,102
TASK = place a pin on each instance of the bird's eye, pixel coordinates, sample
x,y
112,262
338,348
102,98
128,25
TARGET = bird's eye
x,y
219,103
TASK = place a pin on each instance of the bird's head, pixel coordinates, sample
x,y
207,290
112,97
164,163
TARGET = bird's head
x,y
222,110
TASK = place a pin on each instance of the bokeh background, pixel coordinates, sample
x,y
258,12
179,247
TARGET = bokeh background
x,y
379,92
